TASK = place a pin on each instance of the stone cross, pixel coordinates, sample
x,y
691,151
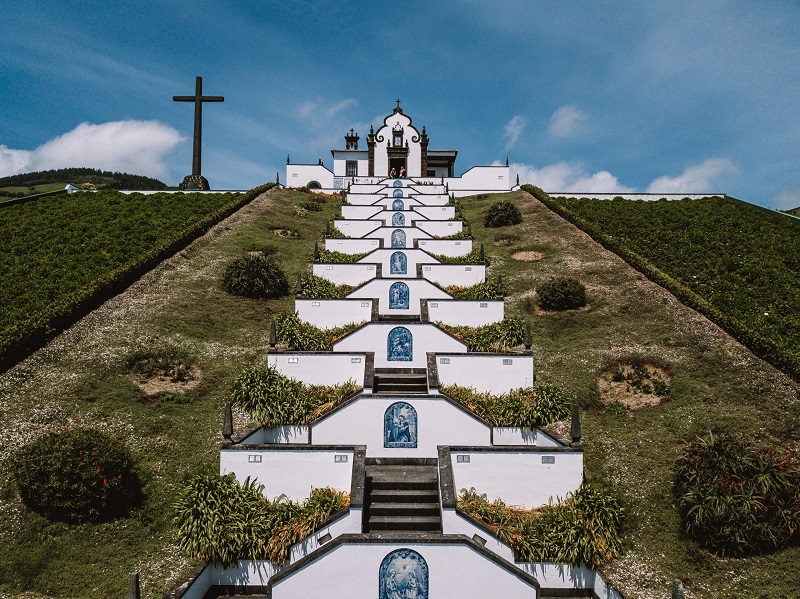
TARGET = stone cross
x,y
198,98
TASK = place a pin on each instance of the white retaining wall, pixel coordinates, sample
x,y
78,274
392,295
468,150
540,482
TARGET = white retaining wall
x,y
346,273
446,247
463,275
490,373
473,313
300,175
290,472
278,434
412,217
417,289
437,212
384,257
439,422
353,246
412,233
360,212
560,576
373,337
514,435
481,179
454,523
518,478
356,228
329,313
351,570
321,368
440,228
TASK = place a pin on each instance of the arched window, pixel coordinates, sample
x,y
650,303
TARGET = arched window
x,y
398,296
314,185
403,573
399,345
400,426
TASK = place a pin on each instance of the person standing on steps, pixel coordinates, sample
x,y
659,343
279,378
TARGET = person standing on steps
x,y
402,172
392,174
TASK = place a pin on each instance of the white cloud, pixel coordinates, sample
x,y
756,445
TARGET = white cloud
x,y
788,198
566,122
320,113
695,179
137,147
567,177
513,130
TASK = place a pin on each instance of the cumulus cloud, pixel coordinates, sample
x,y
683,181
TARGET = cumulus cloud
x,y
788,198
513,130
566,122
137,147
695,179
567,177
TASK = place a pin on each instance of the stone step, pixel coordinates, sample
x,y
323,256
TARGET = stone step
x,y
415,523
403,509
409,484
405,495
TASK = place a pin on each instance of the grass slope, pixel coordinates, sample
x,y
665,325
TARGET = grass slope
x,y
78,379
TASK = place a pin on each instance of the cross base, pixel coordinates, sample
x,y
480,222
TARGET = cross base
x,y
195,183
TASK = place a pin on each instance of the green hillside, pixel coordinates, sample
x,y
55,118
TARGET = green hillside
x,y
25,184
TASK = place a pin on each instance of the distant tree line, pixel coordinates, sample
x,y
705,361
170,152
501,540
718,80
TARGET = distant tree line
x,y
78,175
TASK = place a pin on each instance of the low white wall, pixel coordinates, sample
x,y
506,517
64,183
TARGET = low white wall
x,y
518,477
356,228
472,313
417,289
463,275
446,247
481,178
278,434
559,576
360,212
351,570
290,472
455,524
440,228
437,212
320,369
384,257
346,273
329,313
439,422
353,246
514,435
386,203
486,372
412,217
374,338
300,175
412,233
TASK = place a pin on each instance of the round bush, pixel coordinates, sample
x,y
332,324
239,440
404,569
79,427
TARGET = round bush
x,y
502,214
561,294
257,277
78,475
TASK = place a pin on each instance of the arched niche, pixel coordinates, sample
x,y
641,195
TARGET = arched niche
x,y
398,219
397,193
399,345
397,205
398,264
403,575
398,238
398,296
400,426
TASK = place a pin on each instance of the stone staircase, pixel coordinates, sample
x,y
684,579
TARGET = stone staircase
x,y
400,381
402,495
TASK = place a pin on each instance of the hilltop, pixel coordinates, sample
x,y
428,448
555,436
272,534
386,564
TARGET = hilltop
x,y
23,184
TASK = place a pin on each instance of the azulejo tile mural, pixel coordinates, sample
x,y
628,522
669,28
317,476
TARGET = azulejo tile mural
x,y
397,183
398,238
397,205
398,219
399,345
400,426
397,193
398,296
398,264
403,575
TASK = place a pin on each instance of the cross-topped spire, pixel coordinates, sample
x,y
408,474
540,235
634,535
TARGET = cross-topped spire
x,y
198,98
398,102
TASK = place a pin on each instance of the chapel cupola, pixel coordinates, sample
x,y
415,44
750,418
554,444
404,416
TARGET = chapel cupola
x,y
351,140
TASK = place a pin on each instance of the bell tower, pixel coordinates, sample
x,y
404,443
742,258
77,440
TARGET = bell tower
x,y
351,140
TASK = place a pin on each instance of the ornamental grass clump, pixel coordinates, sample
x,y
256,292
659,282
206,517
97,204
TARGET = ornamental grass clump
x,y
535,406
735,500
315,287
479,291
219,520
496,337
334,257
582,529
502,214
302,336
561,294
273,399
258,277
154,357
76,475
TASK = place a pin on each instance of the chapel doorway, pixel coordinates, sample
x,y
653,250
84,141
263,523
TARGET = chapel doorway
x,y
397,164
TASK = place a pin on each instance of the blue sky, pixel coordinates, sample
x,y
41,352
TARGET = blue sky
x,y
581,96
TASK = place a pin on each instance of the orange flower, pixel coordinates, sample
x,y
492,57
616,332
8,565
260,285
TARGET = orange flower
x,y
98,468
120,477
105,482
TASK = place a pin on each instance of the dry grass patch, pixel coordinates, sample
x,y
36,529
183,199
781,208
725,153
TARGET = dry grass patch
x,y
634,384
527,256
155,384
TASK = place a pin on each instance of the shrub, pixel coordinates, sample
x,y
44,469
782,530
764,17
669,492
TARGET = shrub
x,y
502,214
312,206
257,277
222,521
584,528
479,291
76,475
474,257
561,294
735,500
496,337
321,288
332,256
302,336
534,406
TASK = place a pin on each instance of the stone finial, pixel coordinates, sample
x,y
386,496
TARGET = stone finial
x,y
277,177
288,159
499,285
298,289
481,255
273,337
227,424
469,229
316,252
575,428
371,130
527,335
506,160
327,228
447,187
677,590
517,179
134,592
